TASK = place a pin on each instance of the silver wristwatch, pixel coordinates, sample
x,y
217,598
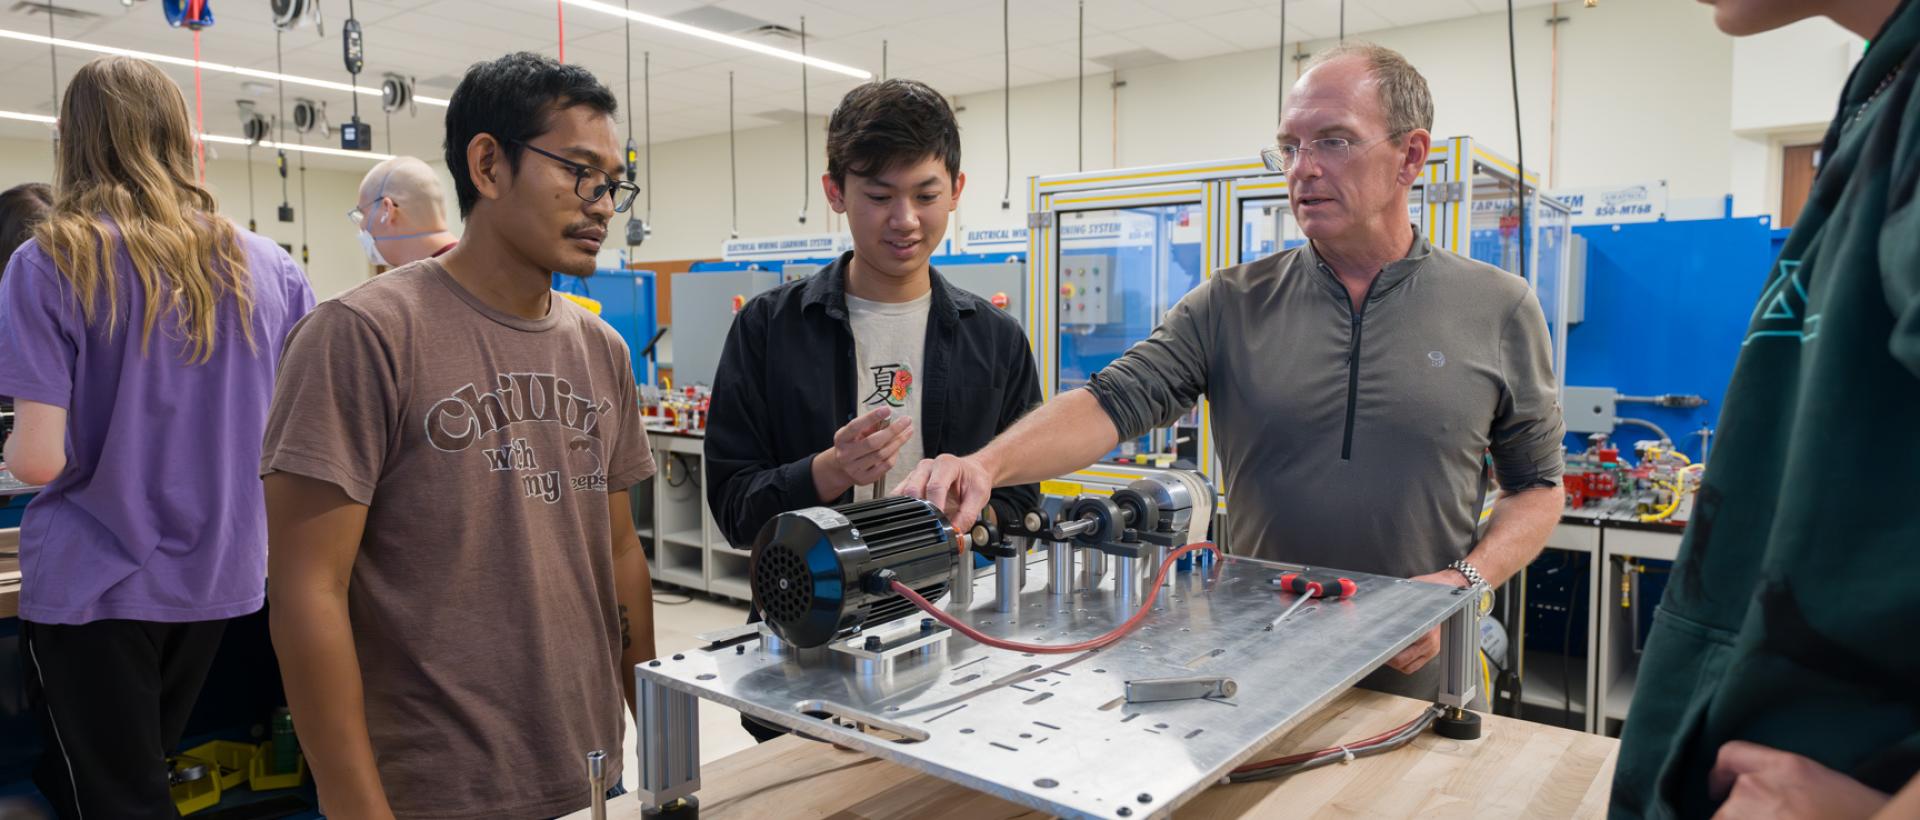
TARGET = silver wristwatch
x,y
1474,578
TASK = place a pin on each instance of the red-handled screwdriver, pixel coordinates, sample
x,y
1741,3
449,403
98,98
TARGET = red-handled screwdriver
x,y
1319,588
1308,589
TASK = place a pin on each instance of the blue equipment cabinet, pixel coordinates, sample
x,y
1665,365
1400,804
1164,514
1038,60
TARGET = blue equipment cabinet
x,y
1667,304
627,302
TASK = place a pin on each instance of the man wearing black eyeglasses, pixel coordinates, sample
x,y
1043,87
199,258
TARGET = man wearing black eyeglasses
x,y
457,591
1357,383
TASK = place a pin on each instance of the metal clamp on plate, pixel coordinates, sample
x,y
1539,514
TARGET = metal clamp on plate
x,y
1150,690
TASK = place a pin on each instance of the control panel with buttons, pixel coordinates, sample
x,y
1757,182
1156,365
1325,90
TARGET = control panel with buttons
x,y
1087,293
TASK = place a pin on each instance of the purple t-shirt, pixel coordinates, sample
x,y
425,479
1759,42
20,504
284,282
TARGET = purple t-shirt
x,y
159,515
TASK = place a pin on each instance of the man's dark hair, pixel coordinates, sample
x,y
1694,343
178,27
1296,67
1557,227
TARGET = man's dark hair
x,y
882,126
513,98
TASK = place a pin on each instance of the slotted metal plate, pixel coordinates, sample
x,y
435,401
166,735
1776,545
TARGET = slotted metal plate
x,y
1054,731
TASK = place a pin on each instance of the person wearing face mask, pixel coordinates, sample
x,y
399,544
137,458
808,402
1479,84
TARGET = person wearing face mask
x,y
401,214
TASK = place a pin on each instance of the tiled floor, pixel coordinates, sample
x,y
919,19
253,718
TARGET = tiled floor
x,y
674,628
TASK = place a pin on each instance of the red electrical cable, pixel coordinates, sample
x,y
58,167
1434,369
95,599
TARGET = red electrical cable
x,y
560,22
1044,649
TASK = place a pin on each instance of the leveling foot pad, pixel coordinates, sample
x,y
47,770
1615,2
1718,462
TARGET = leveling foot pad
x,y
1458,724
686,808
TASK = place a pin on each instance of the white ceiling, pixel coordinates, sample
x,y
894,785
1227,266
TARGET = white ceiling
x,y
953,45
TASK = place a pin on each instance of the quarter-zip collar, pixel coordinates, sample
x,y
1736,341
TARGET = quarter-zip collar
x,y
1391,276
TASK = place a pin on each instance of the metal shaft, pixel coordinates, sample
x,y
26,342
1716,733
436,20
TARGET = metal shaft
x,y
1126,583
961,584
1074,529
1093,567
1283,616
1059,568
597,784
1150,568
1008,573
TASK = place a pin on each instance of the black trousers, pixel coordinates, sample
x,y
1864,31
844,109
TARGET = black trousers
x,y
113,699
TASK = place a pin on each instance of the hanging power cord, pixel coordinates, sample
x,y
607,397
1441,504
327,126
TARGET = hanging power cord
x,y
53,77
199,110
304,259
1343,21
733,163
560,26
1080,117
1146,608
1280,97
806,140
1519,140
883,61
638,224
1006,97
280,152
253,224
646,99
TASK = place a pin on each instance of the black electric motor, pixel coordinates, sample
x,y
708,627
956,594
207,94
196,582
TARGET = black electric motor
x,y
820,573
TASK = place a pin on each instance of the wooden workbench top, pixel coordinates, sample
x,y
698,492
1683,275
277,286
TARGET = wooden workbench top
x,y
1516,769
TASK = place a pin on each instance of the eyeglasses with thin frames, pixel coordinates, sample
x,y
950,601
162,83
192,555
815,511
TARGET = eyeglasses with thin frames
x,y
622,190
1282,159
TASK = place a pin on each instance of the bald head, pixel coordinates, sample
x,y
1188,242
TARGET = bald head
x,y
415,191
403,211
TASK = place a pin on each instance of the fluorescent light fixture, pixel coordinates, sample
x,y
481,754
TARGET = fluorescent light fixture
x,y
294,146
717,37
226,140
371,91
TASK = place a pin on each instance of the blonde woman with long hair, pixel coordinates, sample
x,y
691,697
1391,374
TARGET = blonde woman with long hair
x,y
140,331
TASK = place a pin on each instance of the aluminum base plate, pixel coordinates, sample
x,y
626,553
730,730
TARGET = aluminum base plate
x,y
1055,732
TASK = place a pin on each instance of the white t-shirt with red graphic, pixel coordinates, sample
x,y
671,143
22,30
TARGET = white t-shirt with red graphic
x,y
889,341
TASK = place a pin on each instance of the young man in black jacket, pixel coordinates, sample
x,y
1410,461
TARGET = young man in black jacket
x,y
830,389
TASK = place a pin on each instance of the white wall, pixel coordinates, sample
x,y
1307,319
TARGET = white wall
x,y
1786,84
1645,90
337,262
1648,89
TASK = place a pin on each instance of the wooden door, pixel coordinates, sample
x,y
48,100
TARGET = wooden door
x,y
1798,163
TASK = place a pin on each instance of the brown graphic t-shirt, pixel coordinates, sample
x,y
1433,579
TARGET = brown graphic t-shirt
x,y
482,600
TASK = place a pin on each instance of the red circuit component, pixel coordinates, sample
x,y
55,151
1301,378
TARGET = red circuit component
x,y
1585,487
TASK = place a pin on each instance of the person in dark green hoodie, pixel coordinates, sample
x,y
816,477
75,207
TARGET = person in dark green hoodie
x,y
1782,675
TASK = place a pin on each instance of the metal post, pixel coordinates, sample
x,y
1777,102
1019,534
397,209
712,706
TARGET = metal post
x,y
666,743
1059,568
961,584
1093,568
1006,583
597,784
1459,647
1149,568
1126,583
